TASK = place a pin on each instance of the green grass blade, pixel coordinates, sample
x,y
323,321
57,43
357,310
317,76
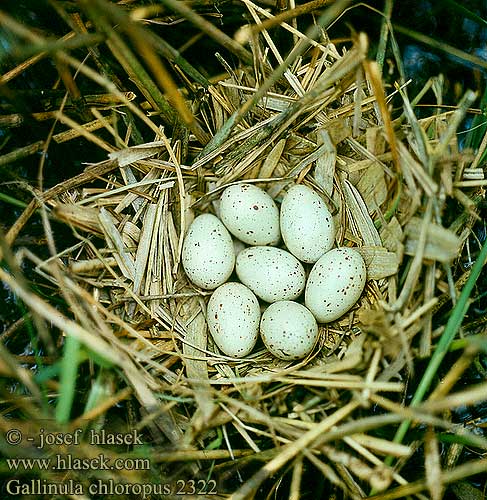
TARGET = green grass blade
x,y
466,12
478,127
12,201
69,370
384,33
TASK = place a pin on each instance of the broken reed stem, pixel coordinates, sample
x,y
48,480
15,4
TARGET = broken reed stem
x,y
194,455
20,153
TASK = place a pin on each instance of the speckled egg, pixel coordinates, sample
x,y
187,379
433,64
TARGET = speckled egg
x,y
288,330
233,316
208,255
250,214
307,226
271,273
335,284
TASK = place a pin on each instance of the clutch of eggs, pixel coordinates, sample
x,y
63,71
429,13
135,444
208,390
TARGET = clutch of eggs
x,y
274,275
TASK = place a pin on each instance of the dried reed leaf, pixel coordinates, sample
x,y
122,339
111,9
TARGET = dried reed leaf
x,y
372,186
339,130
274,104
122,255
352,358
379,262
83,218
143,247
134,199
308,160
324,171
165,420
272,159
441,243
196,369
131,232
356,166
375,139
360,215
392,237
136,153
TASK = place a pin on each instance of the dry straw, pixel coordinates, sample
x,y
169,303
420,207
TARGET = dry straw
x,y
319,116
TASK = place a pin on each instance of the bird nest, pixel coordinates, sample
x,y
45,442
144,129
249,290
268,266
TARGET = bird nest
x,y
258,424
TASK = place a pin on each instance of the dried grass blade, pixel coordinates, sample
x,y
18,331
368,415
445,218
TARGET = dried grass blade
x,y
330,14
448,477
449,333
379,262
324,171
474,394
122,189
143,248
374,75
453,124
360,215
290,76
208,28
136,153
165,420
196,337
124,259
433,465
383,446
418,171
83,131
135,199
279,20
74,133
441,244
